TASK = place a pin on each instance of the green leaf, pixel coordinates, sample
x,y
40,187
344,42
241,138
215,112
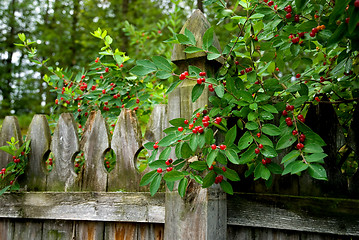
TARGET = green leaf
x,y
285,141
22,37
208,180
141,70
149,145
317,171
211,55
197,91
108,40
248,155
209,136
190,36
245,141
339,7
219,89
4,190
207,38
155,184
232,156
193,142
198,165
147,178
211,157
163,75
162,63
269,108
261,172
299,101
173,86
316,157
231,135
170,185
183,39
252,76
312,148
252,126
290,157
8,150
174,175
227,187
193,50
158,164
147,64
231,175
178,122
298,167
186,151
168,140
165,153
182,186
274,168
269,152
271,129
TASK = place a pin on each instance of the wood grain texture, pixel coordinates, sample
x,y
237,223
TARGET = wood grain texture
x,y
94,143
58,230
90,230
322,215
64,146
7,228
91,206
126,141
197,24
157,123
36,172
28,230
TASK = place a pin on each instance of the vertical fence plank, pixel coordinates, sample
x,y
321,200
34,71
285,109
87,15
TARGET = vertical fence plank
x,y
58,230
157,123
40,136
90,230
94,143
10,128
28,230
7,227
126,141
64,146
203,213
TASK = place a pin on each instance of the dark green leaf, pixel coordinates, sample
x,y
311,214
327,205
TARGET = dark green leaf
x,y
219,89
232,156
147,178
227,187
245,140
208,180
252,126
168,140
155,184
158,164
209,136
197,91
182,186
207,38
190,36
274,168
271,129
192,50
293,155
231,135
198,165
173,86
211,157
317,171
174,175
231,175
163,74
285,141
316,157
269,152
186,151
312,148
4,190
162,63
165,153
141,70
298,167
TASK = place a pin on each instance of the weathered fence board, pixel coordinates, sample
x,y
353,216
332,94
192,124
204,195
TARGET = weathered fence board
x,y
64,146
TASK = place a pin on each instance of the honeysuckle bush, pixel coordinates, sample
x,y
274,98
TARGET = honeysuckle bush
x,y
282,57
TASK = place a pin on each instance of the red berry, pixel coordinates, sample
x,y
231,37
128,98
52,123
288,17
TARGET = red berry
x,y
277,69
312,34
288,15
275,7
202,74
257,151
289,123
268,160
180,129
264,162
182,76
104,91
11,182
302,135
265,1
260,146
200,130
218,120
270,3
236,62
298,75
356,3
77,165
347,20
296,18
199,80
258,135
159,170
288,119
205,124
83,76
242,72
155,146
317,99
314,30
107,69
294,132
291,107
222,147
213,146
211,167
284,113
300,145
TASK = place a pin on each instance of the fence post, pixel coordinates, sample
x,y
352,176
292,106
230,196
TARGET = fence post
x,y
202,214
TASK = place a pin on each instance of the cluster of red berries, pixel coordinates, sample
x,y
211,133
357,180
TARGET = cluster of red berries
x,y
107,164
210,87
50,161
168,169
201,79
247,70
296,39
218,179
155,146
3,171
222,147
266,161
257,150
183,75
270,3
316,30
15,159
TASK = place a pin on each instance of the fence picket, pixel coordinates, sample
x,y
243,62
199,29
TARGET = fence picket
x,y
64,146
94,143
10,128
40,136
126,141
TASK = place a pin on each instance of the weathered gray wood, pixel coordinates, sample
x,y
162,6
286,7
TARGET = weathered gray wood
x,y
126,141
94,143
58,230
64,146
40,136
10,128
6,229
309,214
157,123
28,230
125,207
90,230
197,24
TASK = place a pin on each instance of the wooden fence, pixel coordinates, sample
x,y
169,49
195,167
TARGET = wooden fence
x,y
99,205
